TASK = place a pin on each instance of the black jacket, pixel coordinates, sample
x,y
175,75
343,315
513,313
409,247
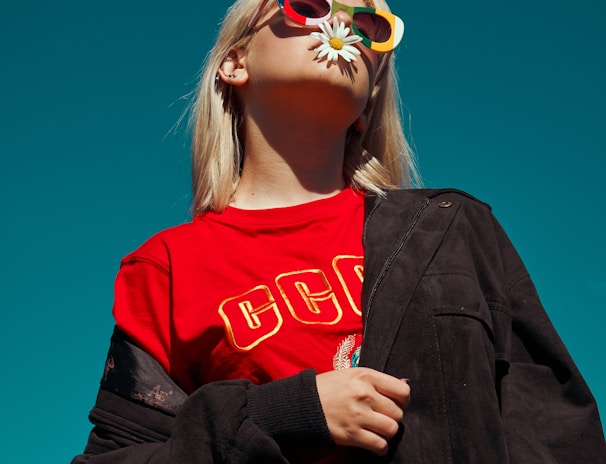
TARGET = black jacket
x,y
447,304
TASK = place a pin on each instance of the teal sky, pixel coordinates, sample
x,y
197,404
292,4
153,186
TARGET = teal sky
x,y
503,99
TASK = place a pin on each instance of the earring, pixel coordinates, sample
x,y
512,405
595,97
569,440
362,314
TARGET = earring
x,y
231,76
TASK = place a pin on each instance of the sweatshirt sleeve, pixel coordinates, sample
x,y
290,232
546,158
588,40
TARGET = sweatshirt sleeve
x,y
142,300
142,416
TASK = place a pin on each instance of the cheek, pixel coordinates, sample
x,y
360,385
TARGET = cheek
x,y
267,48
371,60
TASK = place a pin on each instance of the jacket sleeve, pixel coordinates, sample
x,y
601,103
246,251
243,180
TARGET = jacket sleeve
x,y
142,416
547,409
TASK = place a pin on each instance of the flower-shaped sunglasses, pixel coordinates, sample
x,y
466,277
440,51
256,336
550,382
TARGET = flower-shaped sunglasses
x,y
380,30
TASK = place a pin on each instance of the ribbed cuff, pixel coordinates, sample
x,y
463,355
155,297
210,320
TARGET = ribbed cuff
x,y
289,409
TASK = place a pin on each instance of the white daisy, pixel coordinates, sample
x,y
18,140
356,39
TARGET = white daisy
x,y
336,42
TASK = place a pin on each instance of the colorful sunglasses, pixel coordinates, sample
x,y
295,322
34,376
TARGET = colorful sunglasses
x,y
380,30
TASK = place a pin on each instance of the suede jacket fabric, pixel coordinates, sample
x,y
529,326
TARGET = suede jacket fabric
x,y
447,304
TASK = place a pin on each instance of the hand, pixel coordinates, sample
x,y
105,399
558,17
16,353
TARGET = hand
x,y
362,406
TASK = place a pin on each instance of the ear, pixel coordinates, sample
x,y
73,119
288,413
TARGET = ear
x,y
233,69
361,123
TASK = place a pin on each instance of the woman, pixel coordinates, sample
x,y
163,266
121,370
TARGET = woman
x,y
236,333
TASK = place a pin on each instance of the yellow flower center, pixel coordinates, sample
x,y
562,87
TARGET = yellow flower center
x,y
336,43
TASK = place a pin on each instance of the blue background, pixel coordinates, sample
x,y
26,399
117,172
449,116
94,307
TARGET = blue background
x,y
503,99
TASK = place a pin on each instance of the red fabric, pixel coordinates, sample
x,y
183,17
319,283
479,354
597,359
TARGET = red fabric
x,y
248,294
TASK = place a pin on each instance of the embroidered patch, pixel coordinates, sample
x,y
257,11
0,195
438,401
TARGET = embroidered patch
x,y
109,365
355,357
347,355
155,397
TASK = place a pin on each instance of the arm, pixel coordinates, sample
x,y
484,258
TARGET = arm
x,y
141,416
548,412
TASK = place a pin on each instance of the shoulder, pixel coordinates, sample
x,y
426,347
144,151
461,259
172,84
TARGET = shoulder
x,y
441,211
437,195
158,248
421,198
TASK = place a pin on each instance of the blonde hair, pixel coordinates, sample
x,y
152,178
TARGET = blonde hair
x,y
377,159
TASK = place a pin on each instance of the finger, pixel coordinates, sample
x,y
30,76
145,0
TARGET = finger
x,y
387,407
372,442
381,425
396,389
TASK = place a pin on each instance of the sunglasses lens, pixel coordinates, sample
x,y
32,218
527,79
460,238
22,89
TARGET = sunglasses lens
x,y
373,26
310,8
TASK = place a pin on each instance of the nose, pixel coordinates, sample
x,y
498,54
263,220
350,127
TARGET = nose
x,y
343,17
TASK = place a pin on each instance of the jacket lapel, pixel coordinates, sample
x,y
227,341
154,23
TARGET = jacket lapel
x,y
402,233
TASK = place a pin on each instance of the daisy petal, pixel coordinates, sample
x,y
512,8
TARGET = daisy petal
x,y
352,39
323,53
347,56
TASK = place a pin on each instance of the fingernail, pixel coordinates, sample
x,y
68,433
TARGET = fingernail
x,y
405,380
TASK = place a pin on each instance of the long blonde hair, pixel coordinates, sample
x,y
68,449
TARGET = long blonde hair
x,y
377,159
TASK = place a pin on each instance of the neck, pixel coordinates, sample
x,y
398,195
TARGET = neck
x,y
288,161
